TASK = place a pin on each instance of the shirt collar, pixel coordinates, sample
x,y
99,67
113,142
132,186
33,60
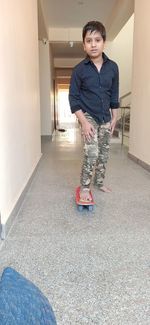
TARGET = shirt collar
x,y
88,60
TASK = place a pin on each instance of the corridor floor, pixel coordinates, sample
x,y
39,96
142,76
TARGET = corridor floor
x,y
94,267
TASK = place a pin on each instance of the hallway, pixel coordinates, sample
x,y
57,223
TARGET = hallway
x,y
94,267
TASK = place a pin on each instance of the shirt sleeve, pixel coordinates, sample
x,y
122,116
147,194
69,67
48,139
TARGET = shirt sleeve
x,y
114,100
74,92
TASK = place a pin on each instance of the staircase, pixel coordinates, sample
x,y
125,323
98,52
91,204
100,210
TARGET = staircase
x,y
122,128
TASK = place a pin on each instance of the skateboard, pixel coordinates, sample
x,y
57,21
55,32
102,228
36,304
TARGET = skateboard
x,y
81,204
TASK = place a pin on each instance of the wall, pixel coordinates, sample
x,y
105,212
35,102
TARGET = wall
x,y
66,62
140,113
65,34
121,51
119,16
52,87
46,88
42,30
20,148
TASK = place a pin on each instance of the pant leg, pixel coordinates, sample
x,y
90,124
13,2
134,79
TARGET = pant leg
x,y
90,154
104,136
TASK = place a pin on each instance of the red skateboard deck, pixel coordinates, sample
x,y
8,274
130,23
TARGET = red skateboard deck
x,y
81,204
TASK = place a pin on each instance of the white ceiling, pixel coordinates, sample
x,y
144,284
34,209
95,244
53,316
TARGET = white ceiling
x,y
63,50
76,13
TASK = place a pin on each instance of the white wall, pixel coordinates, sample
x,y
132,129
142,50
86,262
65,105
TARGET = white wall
x,y
140,112
20,148
121,51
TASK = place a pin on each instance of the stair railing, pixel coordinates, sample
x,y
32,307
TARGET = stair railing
x,y
125,124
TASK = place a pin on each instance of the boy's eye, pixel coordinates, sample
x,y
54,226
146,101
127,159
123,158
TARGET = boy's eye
x,y
96,40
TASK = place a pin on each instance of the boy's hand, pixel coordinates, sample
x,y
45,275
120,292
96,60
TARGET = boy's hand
x,y
113,123
88,130
114,119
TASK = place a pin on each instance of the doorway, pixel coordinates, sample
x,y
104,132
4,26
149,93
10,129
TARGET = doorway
x,y
65,118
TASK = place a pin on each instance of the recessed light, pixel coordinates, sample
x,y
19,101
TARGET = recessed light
x,y
71,43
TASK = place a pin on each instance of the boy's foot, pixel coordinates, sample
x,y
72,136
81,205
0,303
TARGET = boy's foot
x,y
105,189
85,195
102,187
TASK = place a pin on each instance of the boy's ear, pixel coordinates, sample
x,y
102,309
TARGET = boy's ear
x,y
83,46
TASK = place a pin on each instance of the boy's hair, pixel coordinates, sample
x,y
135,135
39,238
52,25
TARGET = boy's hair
x,y
94,26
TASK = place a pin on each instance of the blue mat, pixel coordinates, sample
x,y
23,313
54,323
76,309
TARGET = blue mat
x,y
22,303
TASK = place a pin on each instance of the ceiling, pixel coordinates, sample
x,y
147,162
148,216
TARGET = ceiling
x,y
76,13
64,50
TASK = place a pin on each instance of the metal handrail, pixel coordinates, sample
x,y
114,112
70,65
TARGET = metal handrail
x,y
123,115
124,96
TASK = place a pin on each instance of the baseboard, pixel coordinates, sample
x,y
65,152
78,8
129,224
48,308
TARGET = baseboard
x,y
46,137
139,162
4,228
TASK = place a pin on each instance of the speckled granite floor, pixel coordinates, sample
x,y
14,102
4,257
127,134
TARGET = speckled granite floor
x,y
93,267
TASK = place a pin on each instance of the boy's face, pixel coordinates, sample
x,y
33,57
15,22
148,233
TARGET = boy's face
x,y
93,44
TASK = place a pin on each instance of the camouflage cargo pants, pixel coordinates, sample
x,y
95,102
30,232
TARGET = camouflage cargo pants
x,y
95,154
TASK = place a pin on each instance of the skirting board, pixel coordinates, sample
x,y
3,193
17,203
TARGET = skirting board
x,y
46,137
4,228
139,162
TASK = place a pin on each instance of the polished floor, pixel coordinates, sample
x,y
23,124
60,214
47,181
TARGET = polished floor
x,y
94,267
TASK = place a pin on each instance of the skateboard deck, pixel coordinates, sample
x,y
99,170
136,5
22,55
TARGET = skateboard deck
x,y
84,204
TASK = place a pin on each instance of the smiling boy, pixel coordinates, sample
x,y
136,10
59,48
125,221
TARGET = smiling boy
x,y
93,96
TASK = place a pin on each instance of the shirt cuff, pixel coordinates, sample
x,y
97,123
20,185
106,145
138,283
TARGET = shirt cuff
x,y
115,105
75,109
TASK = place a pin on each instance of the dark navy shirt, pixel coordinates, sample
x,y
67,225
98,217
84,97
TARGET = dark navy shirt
x,y
95,92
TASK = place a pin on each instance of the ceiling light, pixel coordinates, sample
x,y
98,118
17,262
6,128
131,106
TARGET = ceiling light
x,y
71,43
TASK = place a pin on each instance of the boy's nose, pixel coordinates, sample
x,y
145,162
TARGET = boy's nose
x,y
93,43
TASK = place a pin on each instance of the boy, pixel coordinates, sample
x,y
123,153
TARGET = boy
x,y
93,96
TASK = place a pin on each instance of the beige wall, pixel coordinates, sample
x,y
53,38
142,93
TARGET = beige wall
x,y
121,51
20,148
52,87
65,34
140,112
42,30
66,62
